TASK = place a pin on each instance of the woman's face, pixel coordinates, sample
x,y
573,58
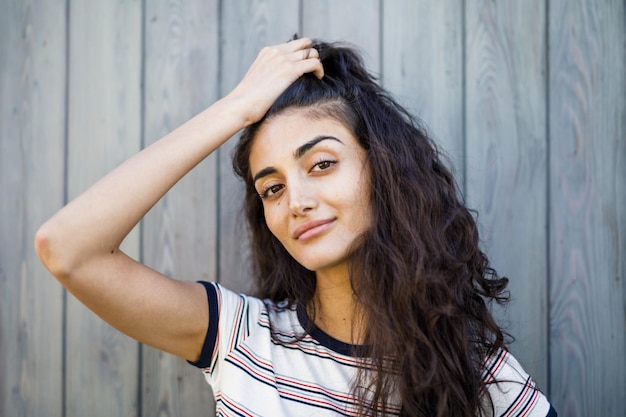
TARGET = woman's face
x,y
312,177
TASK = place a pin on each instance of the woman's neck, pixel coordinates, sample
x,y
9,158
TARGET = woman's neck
x,y
334,308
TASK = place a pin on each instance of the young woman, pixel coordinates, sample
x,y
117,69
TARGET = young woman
x,y
372,287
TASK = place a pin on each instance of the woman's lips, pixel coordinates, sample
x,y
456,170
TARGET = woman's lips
x,y
311,229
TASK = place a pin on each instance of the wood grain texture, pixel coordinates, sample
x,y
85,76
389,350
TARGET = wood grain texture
x,y
32,134
587,221
422,65
525,156
353,21
104,128
247,26
506,154
179,234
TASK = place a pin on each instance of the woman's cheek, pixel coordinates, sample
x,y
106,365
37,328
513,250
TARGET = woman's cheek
x,y
272,221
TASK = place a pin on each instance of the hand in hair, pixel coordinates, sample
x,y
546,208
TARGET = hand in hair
x,y
275,69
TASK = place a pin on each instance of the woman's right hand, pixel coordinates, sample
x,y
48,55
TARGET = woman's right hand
x,y
273,71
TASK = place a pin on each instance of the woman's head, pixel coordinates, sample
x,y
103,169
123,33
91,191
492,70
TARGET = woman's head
x,y
347,95
328,100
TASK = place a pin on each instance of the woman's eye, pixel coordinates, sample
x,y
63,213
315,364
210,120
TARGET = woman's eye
x,y
271,190
323,165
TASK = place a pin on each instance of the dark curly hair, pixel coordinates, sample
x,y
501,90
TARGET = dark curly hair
x,y
418,274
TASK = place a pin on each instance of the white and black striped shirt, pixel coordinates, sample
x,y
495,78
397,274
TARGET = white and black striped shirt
x,y
254,372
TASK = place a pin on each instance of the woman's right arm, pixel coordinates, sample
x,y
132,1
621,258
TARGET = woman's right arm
x,y
80,243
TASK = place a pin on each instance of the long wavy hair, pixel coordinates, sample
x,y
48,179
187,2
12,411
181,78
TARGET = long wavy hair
x,y
418,274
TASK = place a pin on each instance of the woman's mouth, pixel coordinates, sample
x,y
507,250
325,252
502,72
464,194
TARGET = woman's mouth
x,y
311,229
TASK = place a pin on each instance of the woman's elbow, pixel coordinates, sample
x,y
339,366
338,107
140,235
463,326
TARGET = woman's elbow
x,y
50,254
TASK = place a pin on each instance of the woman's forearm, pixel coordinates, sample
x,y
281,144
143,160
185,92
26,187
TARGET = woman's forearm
x,y
97,221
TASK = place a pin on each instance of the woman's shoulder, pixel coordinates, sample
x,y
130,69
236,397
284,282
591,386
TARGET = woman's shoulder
x,y
228,296
511,389
221,295
234,305
500,362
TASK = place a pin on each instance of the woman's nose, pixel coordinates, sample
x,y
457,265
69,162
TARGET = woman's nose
x,y
301,200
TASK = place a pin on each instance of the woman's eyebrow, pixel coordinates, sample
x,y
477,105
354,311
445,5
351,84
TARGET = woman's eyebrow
x,y
299,152
262,173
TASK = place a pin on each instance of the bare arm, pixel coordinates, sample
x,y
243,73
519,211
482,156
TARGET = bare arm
x,y
80,243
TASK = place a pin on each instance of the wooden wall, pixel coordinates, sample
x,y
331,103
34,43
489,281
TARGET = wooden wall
x,y
527,97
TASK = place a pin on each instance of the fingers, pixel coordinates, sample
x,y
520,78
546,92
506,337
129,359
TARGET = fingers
x,y
313,57
319,71
300,53
303,51
309,61
304,54
272,72
299,49
298,44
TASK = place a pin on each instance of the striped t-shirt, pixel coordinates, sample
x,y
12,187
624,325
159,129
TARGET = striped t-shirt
x,y
290,373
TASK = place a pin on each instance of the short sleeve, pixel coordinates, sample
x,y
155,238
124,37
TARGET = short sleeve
x,y
513,392
231,316
208,349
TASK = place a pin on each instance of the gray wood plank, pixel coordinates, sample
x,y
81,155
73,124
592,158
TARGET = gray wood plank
x,y
32,134
587,199
104,128
179,234
247,26
353,21
507,161
423,67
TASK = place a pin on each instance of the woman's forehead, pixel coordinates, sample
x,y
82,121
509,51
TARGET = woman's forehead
x,y
282,135
297,125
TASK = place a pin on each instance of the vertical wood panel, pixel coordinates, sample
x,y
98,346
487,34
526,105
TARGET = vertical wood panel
x,y
103,130
423,67
179,234
587,220
506,160
32,134
247,26
353,21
